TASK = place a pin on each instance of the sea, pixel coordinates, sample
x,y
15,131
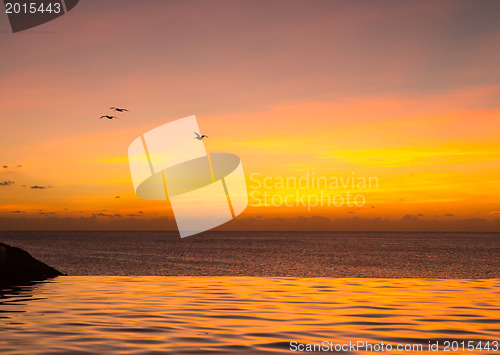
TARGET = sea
x,y
256,292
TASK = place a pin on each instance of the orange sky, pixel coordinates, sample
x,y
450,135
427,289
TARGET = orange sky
x,y
405,92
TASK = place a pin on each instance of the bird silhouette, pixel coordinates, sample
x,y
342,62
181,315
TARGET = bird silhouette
x,y
119,109
110,117
200,137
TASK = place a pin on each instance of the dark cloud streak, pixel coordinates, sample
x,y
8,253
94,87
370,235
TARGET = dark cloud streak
x,y
38,187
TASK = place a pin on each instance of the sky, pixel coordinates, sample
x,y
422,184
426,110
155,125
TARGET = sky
x,y
404,92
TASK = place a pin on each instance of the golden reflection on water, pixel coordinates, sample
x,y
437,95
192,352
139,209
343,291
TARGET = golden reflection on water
x,y
242,314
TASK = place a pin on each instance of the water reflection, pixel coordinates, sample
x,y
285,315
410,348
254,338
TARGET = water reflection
x,y
241,314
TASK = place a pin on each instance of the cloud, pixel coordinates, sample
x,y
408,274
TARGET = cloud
x,y
51,213
117,215
51,222
117,196
5,166
35,187
410,218
449,215
420,214
6,183
102,214
313,223
18,212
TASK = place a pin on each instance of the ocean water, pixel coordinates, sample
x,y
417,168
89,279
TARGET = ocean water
x,y
196,315
255,292
269,254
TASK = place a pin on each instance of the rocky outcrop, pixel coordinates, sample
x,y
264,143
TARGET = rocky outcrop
x,y
18,266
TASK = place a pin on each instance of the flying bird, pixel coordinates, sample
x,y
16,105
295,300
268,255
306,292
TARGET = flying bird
x,y
110,117
119,109
200,137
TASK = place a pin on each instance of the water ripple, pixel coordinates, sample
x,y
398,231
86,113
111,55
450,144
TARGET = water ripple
x,y
183,315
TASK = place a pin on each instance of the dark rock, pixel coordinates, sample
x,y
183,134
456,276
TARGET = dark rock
x,y
18,266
